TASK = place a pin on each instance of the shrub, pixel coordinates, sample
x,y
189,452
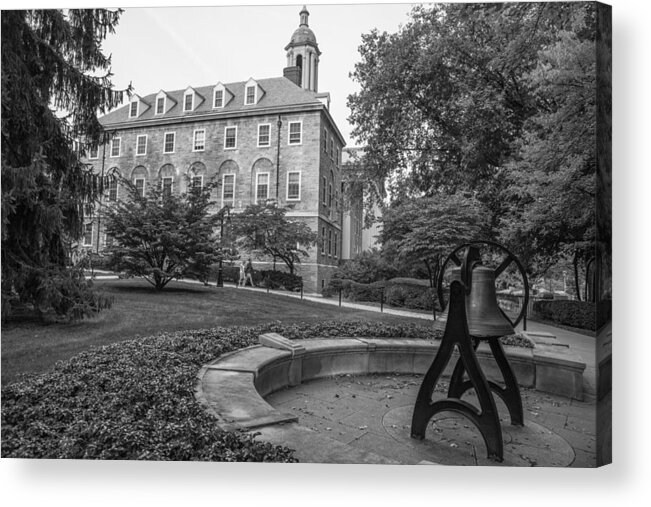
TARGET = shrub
x,y
401,292
579,314
135,399
280,280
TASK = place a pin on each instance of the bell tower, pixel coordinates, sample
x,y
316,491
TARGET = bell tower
x,y
303,55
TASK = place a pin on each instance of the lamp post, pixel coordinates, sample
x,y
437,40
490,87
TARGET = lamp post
x,y
220,274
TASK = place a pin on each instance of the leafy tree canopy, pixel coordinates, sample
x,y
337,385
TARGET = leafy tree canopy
x,y
161,236
494,100
55,81
266,229
427,229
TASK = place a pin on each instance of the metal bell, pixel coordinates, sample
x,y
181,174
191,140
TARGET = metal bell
x,y
485,319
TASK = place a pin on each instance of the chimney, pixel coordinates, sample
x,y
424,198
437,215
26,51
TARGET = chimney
x,y
293,74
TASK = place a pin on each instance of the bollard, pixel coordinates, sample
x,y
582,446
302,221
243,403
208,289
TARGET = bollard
x,y
434,312
340,297
382,299
524,323
301,288
267,284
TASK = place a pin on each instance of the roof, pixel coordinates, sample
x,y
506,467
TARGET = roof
x,y
277,92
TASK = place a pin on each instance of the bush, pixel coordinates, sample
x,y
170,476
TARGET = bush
x,y
135,399
368,267
579,314
401,292
280,280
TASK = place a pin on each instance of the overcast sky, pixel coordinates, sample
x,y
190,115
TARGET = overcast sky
x,y
171,48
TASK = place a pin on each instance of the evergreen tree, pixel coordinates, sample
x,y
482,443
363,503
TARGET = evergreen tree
x,y
55,81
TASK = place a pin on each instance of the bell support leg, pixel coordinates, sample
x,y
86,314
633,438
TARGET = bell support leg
x,y
486,420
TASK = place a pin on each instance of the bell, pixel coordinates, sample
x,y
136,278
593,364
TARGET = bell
x,y
485,319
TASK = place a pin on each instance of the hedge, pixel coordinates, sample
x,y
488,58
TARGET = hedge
x,y
135,399
580,314
401,292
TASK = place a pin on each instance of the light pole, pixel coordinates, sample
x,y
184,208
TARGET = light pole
x,y
220,275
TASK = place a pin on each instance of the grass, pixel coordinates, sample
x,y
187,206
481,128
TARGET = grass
x,y
138,310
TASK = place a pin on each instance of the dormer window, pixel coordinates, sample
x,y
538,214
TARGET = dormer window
x,y
252,92
218,99
160,105
250,95
188,102
133,109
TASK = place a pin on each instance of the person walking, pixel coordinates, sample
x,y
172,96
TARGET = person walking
x,y
242,280
248,271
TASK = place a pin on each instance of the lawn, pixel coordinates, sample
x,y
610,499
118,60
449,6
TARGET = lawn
x,y
138,310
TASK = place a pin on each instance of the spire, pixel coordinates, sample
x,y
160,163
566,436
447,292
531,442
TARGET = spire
x,y
304,15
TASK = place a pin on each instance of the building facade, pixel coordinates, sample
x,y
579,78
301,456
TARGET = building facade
x,y
262,140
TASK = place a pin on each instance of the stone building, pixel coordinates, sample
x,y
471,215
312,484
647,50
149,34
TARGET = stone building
x,y
267,139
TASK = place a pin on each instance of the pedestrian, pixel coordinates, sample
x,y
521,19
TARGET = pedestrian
x,y
242,280
248,271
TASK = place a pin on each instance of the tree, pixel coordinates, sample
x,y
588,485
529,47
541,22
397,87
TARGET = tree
x,y
444,101
427,229
161,236
552,177
55,80
265,229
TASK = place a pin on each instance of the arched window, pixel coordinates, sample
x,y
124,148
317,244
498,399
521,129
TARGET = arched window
x,y
112,182
228,174
299,64
262,172
166,176
139,177
197,175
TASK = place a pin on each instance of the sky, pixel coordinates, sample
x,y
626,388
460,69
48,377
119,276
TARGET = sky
x,y
171,48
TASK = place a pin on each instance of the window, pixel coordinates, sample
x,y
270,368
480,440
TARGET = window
x,y
88,234
230,138
264,135
335,245
108,240
93,152
141,145
250,95
293,186
160,105
295,132
167,185
324,187
199,143
133,110
262,188
228,190
323,239
196,181
140,186
332,179
337,159
113,189
325,140
115,147
332,147
330,242
218,99
168,146
188,101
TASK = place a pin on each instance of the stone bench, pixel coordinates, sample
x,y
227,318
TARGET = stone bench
x,y
233,386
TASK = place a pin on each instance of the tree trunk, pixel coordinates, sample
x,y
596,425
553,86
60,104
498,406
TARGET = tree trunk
x,y
575,265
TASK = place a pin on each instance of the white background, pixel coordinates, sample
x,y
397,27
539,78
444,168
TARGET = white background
x,y
627,482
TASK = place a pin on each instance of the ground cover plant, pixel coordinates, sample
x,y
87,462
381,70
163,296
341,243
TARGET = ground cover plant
x,y
135,399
